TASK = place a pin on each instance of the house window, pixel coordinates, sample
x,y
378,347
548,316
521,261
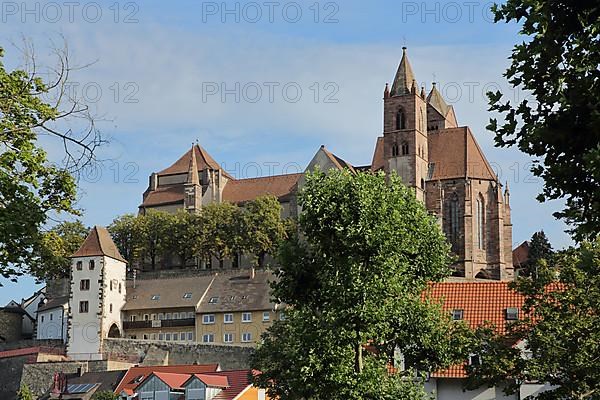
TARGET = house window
x,y
145,337
84,306
42,318
208,338
176,337
161,316
190,336
146,317
400,120
474,360
84,284
111,285
228,338
190,315
246,337
79,265
133,318
228,318
153,336
50,316
266,316
182,336
282,316
246,317
175,315
457,314
119,288
161,336
167,336
92,265
110,308
153,317
208,319
480,221
512,314
168,315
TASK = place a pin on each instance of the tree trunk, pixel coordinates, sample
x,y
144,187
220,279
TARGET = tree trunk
x,y
358,363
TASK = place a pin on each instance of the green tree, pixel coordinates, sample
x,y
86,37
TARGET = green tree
x,y
264,229
31,187
539,249
55,247
123,233
559,328
151,236
353,279
105,395
221,231
557,63
25,393
185,231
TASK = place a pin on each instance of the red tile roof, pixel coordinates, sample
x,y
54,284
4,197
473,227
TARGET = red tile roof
x,y
204,161
164,195
31,351
242,190
481,302
239,381
99,243
135,375
174,381
214,380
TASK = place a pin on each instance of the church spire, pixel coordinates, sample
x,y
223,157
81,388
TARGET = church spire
x,y
436,101
403,81
192,177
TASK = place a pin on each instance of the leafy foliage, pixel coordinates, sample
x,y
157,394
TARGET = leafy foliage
x,y
558,64
353,281
105,395
54,249
25,393
539,249
560,330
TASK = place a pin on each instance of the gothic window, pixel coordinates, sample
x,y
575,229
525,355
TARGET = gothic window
x,y
422,183
395,150
453,214
400,120
480,221
404,149
421,120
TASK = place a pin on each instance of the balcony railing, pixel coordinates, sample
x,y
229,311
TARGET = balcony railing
x,y
158,323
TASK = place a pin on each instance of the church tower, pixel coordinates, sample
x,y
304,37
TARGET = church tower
x,y
193,191
405,129
98,273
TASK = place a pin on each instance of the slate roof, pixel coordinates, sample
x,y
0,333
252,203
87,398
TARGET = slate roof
x,y
99,243
135,375
238,293
405,76
481,302
170,291
242,190
436,101
54,303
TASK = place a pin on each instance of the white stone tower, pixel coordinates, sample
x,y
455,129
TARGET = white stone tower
x,y
98,273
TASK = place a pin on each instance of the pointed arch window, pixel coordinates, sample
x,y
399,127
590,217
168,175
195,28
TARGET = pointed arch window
x,y
395,150
400,120
480,221
453,218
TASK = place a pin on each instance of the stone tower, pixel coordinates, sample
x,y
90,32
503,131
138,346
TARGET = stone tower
x,y
192,202
96,297
405,129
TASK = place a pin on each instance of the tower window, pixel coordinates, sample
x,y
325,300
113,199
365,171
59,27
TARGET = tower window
x,y
422,183
84,307
79,265
395,150
404,149
92,265
84,284
453,214
480,221
400,120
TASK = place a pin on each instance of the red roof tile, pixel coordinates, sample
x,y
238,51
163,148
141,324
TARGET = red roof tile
x,y
239,381
135,375
213,380
99,243
242,190
164,195
174,381
204,161
481,302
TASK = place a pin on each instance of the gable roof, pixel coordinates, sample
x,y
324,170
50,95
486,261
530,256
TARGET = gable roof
x,y
481,302
99,243
242,190
378,156
170,291
238,293
211,380
173,380
164,195
135,375
456,154
403,82
203,159
337,161
239,381
55,303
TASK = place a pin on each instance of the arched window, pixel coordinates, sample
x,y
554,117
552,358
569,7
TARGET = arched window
x,y
400,120
480,221
395,150
92,265
453,218
404,149
421,120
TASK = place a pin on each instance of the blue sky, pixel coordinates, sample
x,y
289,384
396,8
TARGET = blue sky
x,y
167,74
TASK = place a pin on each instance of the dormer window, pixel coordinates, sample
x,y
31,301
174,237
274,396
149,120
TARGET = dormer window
x,y
457,314
512,314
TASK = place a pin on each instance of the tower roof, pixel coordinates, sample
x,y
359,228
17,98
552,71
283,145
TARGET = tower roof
x,y
99,243
436,101
203,161
192,177
403,81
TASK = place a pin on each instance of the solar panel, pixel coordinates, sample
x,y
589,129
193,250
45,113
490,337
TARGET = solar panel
x,y
80,388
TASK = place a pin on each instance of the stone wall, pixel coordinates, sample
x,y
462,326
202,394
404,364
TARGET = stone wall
x,y
11,325
23,344
38,377
134,351
12,369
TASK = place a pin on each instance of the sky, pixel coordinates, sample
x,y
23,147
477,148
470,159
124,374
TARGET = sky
x,y
261,85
